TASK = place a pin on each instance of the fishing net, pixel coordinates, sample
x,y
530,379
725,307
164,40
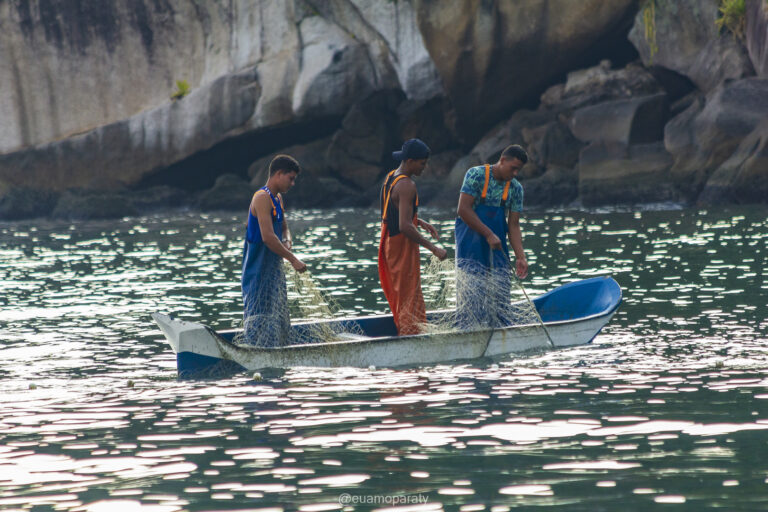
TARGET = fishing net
x,y
465,295
287,295
459,296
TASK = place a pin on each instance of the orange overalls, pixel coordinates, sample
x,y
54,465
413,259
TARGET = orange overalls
x,y
400,265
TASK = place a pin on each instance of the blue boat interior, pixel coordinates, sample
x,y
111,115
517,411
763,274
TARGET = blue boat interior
x,y
580,299
588,297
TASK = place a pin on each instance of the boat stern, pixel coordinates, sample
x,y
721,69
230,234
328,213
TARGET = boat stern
x,y
197,351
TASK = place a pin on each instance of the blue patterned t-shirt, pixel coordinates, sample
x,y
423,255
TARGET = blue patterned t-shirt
x,y
474,181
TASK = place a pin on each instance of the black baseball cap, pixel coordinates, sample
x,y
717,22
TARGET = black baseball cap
x,y
412,148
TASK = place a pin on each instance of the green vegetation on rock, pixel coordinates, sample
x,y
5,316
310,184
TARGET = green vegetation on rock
x,y
733,17
649,21
182,89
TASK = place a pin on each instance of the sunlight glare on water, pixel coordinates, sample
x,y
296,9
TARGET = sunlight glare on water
x,y
667,406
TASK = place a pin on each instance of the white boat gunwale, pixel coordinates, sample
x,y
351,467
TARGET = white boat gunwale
x,y
408,337
198,346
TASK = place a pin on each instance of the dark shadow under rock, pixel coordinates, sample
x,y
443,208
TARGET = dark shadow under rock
x,y
230,192
330,192
311,158
359,152
557,186
314,191
447,195
440,165
315,187
87,205
27,203
429,121
552,144
161,197
675,85
432,190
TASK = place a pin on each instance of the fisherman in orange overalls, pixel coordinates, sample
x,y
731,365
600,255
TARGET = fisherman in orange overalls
x,y
399,262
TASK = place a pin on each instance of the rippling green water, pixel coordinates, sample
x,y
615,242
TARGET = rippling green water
x,y
666,409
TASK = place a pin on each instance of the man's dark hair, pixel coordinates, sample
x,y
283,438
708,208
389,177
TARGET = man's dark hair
x,y
283,163
515,151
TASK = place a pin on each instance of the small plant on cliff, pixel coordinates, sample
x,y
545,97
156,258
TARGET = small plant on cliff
x,y
182,89
649,22
734,15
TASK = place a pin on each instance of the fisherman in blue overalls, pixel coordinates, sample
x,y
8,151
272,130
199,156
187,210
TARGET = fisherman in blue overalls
x,y
490,203
267,242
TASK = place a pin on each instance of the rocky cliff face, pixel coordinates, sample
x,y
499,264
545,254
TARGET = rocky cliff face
x,y
492,55
86,97
88,102
70,67
756,35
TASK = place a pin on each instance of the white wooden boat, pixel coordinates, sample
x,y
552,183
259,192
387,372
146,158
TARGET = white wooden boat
x,y
572,314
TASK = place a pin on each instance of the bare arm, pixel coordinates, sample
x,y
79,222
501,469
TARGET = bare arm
x,y
516,242
261,207
286,235
429,228
405,194
470,218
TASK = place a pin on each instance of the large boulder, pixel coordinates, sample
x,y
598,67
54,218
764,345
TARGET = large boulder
x,y
552,144
706,134
557,186
230,192
743,178
688,170
628,121
614,173
441,164
335,69
600,83
311,158
366,139
435,186
429,120
493,55
448,194
682,36
756,35
490,146
314,188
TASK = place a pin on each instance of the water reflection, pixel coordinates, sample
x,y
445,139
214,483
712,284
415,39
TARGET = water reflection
x,y
666,406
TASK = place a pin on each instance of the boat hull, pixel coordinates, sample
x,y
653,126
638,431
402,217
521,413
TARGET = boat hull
x,y
200,350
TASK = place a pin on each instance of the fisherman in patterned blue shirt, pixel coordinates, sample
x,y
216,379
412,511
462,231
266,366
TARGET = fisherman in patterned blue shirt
x,y
490,203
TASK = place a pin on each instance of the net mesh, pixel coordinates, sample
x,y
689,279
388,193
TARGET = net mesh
x,y
464,296
459,296
289,294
